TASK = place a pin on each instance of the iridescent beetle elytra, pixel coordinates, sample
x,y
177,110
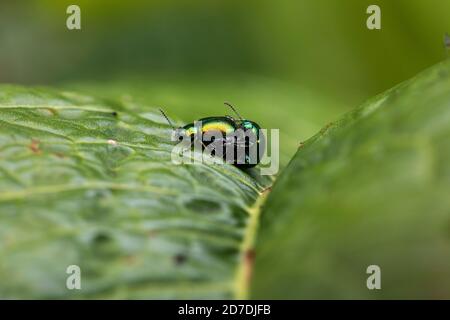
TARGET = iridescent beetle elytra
x,y
251,146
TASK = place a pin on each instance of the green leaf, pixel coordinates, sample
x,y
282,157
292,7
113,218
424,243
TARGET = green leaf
x,y
89,182
370,189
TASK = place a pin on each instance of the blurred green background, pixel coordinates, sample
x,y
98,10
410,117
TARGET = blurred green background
x,y
292,65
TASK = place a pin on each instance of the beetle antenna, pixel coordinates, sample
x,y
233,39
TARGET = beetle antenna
x,y
232,108
167,118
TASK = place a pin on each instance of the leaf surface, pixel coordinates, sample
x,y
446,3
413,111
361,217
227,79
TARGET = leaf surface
x,y
369,189
89,182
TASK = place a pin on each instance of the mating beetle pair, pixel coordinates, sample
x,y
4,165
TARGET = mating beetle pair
x,y
251,146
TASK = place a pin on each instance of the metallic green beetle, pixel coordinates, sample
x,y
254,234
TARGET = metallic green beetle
x,y
252,146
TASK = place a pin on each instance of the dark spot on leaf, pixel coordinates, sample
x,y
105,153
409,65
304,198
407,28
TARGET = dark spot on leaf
x,y
266,190
114,114
250,255
101,238
52,111
34,146
249,259
104,246
202,205
326,128
179,259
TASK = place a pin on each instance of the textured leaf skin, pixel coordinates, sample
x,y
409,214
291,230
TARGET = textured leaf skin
x,y
90,183
372,188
